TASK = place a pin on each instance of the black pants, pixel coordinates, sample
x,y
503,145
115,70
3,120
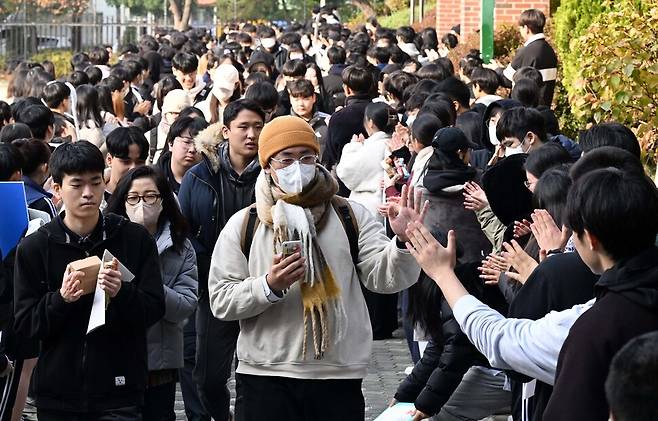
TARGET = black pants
x,y
216,342
383,312
159,402
132,413
285,399
194,410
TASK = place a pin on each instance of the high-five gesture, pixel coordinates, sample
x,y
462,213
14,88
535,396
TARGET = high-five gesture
x,y
410,209
437,261
432,257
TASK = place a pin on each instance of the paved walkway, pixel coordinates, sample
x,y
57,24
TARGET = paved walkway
x,y
386,370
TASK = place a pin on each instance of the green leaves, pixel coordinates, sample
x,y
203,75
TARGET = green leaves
x,y
611,70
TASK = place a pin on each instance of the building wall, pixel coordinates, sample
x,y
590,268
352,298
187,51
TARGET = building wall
x,y
467,13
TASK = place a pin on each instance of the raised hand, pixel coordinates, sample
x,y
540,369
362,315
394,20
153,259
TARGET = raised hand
x,y
522,228
548,235
409,209
519,260
432,257
475,198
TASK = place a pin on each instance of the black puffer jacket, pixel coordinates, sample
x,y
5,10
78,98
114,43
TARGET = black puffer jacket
x,y
447,358
107,368
211,192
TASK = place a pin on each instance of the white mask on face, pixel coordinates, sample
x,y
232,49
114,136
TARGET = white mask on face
x,y
492,134
296,56
268,42
516,150
144,214
410,120
293,178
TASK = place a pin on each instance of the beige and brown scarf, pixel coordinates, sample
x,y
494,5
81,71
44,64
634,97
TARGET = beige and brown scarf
x,y
301,217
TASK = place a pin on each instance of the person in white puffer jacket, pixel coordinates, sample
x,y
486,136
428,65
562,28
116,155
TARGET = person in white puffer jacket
x,y
360,167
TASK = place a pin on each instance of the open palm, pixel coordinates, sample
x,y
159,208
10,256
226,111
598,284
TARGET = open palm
x,y
410,209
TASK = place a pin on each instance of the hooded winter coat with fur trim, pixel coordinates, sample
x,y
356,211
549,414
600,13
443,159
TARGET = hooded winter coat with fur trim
x,y
211,192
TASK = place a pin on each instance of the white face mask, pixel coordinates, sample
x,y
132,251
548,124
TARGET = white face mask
x,y
293,178
144,214
516,150
268,42
296,56
492,134
410,120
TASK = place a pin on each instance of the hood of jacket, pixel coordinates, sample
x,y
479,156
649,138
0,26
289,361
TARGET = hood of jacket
x,y
636,278
207,143
505,104
33,191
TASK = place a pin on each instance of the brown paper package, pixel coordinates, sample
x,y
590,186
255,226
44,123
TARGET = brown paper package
x,y
90,267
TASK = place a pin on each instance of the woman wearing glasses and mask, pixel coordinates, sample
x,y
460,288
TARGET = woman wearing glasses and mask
x,y
144,196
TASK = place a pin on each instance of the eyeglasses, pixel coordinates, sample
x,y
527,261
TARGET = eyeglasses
x,y
286,162
188,142
149,199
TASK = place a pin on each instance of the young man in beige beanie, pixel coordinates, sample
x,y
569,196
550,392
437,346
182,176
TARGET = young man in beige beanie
x,y
305,335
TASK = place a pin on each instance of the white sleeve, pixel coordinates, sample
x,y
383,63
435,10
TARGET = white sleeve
x,y
530,347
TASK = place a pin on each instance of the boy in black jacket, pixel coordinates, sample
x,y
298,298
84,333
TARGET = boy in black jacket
x,y
100,375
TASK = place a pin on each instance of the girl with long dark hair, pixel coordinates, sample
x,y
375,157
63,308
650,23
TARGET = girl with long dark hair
x,y
144,196
90,121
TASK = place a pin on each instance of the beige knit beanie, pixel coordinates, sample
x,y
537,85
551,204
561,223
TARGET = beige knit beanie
x,y
283,133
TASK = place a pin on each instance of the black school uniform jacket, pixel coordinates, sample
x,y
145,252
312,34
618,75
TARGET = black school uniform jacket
x,y
107,368
626,306
540,55
558,283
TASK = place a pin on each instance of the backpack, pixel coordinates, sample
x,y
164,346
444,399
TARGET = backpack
x,y
340,205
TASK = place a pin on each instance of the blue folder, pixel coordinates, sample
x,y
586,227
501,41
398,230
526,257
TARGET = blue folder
x,y
13,215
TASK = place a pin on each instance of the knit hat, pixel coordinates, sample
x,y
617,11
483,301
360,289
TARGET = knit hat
x,y
175,101
283,133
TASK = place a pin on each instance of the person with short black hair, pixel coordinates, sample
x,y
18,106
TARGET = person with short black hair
x,y
57,96
358,83
333,81
396,84
127,148
433,71
50,295
14,131
40,120
77,78
378,56
303,100
211,192
457,92
184,67
631,382
526,92
264,94
36,155
536,52
485,83
405,36
520,130
609,134
99,58
5,114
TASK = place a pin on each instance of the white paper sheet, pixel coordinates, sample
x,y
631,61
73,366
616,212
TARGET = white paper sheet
x,y
97,315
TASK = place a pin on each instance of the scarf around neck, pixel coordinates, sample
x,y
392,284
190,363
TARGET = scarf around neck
x,y
300,217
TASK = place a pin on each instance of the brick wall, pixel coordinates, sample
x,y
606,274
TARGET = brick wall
x,y
467,13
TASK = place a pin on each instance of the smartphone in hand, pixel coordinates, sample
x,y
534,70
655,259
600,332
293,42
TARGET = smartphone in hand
x,y
290,247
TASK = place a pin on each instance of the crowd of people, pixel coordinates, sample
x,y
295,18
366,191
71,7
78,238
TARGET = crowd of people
x,y
272,197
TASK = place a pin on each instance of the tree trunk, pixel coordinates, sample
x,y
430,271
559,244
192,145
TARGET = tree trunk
x,y
187,11
176,13
363,5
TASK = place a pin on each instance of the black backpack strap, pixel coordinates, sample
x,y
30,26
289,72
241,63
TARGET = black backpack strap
x,y
249,227
347,218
